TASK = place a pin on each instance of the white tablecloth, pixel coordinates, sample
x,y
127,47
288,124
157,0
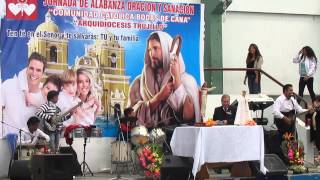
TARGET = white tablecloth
x,y
219,144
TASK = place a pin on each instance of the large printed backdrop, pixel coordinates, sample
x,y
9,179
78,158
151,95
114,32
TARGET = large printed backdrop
x,y
95,34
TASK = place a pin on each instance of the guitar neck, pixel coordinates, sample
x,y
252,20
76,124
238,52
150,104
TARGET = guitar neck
x,y
302,113
71,109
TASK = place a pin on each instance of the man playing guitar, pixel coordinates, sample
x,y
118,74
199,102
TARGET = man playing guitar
x,y
50,114
285,109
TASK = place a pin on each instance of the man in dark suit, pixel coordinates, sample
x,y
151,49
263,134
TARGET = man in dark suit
x,y
225,113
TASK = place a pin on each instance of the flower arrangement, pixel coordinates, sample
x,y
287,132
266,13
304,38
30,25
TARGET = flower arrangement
x,y
150,158
250,122
210,123
294,152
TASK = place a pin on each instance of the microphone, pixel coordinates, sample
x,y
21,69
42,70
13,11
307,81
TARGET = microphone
x,y
17,128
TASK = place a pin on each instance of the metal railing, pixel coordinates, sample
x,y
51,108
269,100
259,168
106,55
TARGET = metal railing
x,y
262,72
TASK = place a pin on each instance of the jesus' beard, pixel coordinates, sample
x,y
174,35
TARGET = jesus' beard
x,y
157,64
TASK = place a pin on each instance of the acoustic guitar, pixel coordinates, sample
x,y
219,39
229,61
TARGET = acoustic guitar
x,y
291,115
56,119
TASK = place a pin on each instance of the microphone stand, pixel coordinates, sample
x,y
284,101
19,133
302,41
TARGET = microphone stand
x,y
166,143
2,128
84,164
107,108
120,135
163,138
119,125
129,149
127,131
118,120
19,154
20,135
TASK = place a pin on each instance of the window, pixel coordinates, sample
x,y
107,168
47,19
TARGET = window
x,y
87,61
53,54
113,60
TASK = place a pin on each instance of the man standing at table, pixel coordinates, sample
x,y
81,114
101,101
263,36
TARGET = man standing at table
x,y
284,108
225,113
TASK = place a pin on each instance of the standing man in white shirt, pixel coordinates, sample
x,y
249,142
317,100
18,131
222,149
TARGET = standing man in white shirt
x,y
284,107
32,134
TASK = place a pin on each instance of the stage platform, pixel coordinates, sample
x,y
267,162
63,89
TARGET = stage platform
x,y
99,152
224,176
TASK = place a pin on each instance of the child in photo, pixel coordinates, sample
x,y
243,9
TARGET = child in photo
x,y
67,97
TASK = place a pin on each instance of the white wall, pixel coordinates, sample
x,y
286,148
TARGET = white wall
x,y
279,37
311,7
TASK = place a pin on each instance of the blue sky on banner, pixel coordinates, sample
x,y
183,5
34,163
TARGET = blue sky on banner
x,y
14,49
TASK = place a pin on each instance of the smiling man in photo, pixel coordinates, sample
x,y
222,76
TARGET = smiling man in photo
x,y
21,94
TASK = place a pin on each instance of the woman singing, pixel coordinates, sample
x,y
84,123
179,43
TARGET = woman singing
x,y
307,67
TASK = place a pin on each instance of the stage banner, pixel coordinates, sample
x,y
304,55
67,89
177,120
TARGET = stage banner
x,y
111,39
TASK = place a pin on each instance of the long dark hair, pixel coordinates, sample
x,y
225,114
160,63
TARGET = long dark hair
x,y
249,56
309,53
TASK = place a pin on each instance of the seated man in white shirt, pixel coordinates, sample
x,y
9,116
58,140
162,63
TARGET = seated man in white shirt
x,y
32,134
284,108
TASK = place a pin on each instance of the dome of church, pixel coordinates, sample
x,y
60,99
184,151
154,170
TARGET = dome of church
x,y
86,61
48,25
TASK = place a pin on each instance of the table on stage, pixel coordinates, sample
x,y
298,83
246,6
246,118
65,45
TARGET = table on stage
x,y
219,144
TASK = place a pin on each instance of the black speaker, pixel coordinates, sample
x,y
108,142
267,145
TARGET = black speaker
x,y
76,168
272,140
275,166
175,167
20,170
51,167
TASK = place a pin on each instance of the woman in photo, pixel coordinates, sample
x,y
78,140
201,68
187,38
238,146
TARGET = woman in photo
x,y
87,93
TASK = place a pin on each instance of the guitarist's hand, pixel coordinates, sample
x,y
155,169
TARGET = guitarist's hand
x,y
287,120
74,111
311,109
